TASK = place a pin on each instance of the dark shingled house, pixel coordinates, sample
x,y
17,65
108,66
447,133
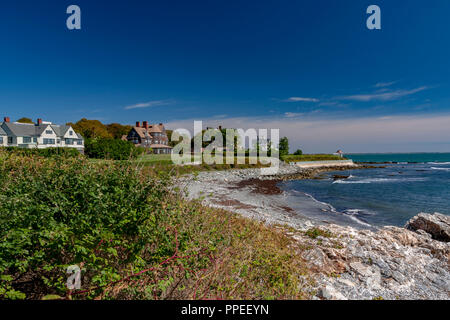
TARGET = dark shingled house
x,y
150,136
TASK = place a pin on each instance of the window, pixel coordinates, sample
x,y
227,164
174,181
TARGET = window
x,y
79,142
26,139
35,140
49,141
70,133
10,139
48,131
69,141
58,141
1,140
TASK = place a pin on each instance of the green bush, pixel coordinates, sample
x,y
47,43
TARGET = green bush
x,y
112,149
59,212
47,152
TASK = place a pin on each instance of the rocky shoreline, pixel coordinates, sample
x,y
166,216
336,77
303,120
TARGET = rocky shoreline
x,y
347,263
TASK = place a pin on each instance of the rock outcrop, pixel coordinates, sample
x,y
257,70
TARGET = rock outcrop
x,y
391,263
437,225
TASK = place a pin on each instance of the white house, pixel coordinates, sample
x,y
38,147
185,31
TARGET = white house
x,y
40,135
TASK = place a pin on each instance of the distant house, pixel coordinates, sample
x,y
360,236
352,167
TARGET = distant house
x,y
40,135
339,153
150,136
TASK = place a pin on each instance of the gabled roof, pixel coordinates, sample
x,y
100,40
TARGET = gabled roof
x,y
2,132
20,129
142,132
31,130
153,128
60,130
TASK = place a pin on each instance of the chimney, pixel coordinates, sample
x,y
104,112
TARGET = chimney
x,y
220,127
39,122
6,119
145,125
138,124
160,124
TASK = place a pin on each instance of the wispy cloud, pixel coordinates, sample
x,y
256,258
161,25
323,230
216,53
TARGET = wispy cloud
x,y
149,104
301,99
384,84
333,104
384,96
292,114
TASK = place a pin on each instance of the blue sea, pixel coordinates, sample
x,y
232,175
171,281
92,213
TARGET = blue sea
x,y
401,186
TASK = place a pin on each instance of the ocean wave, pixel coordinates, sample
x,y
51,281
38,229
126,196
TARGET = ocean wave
x,y
380,180
439,163
445,169
356,212
359,221
352,214
329,206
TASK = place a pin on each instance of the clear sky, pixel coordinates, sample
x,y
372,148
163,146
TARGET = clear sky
x,y
310,68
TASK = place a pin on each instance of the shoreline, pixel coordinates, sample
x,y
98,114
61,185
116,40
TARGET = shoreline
x,y
355,263
257,196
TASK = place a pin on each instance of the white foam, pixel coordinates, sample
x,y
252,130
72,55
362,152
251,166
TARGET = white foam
x,y
439,163
330,207
445,169
379,180
359,221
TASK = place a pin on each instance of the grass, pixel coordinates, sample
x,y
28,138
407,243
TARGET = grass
x,y
133,235
314,233
159,163
311,157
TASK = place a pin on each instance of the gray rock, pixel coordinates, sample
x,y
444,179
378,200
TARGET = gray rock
x,y
330,293
437,225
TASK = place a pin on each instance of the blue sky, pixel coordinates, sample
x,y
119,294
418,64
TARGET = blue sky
x,y
292,64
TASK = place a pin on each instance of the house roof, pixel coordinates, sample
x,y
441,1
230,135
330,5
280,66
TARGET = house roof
x,y
141,131
31,130
60,130
21,129
153,128
2,132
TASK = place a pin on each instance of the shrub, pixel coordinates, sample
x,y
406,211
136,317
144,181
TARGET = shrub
x,y
58,212
47,152
298,152
132,237
111,149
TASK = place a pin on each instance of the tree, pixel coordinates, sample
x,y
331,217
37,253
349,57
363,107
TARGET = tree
x,y
298,152
284,146
91,129
25,120
117,130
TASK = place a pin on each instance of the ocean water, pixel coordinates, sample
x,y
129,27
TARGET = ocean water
x,y
388,195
